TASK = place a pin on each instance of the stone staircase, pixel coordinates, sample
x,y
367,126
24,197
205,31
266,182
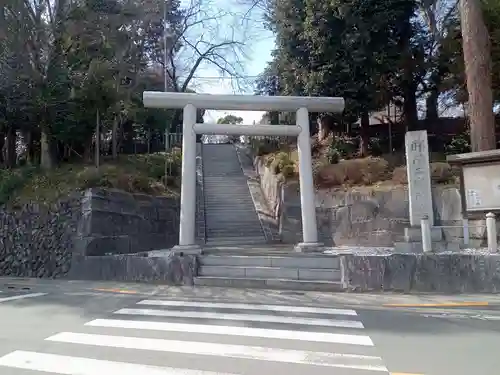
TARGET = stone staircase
x,y
230,215
271,268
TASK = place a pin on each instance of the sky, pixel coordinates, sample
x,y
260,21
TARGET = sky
x,y
259,44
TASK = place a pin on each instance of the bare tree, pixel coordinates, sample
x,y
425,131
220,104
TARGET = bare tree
x,y
206,39
436,16
477,59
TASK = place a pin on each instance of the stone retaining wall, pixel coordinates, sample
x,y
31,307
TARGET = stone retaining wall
x,y
443,273
362,216
171,269
38,241
115,222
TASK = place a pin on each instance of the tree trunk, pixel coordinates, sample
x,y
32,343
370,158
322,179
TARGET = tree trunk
x,y
2,142
410,103
363,132
431,103
114,138
11,155
477,59
46,156
325,127
30,147
97,139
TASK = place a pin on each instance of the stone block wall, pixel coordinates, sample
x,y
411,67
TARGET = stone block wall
x,y
362,216
443,273
41,241
115,222
37,241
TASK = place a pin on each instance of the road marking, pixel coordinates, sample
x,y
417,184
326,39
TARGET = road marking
x,y
22,296
121,291
368,363
243,317
462,316
234,331
446,304
403,373
67,365
244,306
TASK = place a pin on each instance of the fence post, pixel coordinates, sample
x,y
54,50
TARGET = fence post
x,y
426,234
491,232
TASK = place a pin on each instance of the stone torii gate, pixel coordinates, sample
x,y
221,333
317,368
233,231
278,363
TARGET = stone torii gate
x,y
302,105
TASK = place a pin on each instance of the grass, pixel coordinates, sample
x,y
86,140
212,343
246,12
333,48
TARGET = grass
x,y
131,173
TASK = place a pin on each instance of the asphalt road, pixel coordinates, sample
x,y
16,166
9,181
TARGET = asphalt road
x,y
79,328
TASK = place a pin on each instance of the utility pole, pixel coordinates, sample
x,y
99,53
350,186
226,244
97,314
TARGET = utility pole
x,y
165,87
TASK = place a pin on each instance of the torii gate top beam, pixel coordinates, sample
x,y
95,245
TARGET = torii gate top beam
x,y
157,99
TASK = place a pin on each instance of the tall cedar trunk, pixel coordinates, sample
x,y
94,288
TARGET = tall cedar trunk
x,y
2,142
410,101
97,139
363,132
11,155
46,154
114,138
47,142
431,103
408,84
477,60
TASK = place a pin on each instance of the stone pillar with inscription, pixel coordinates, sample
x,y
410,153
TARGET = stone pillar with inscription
x,y
419,191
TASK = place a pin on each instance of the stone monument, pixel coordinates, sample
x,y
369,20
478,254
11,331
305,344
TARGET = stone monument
x,y
418,172
419,192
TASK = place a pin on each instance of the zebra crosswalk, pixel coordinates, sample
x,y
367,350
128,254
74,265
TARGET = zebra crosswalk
x,y
170,337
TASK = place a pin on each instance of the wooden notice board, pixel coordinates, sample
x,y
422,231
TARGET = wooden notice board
x,y
481,185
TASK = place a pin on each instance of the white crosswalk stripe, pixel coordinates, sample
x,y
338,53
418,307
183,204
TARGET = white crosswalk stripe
x,y
207,338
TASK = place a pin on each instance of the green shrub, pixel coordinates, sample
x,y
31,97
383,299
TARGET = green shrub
x,y
269,160
375,147
459,144
280,161
333,155
14,179
288,171
340,148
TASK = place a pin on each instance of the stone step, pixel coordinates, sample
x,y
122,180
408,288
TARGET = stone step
x,y
271,272
216,193
280,284
227,236
235,228
226,182
290,260
228,203
248,238
228,226
234,225
241,209
233,218
228,200
228,194
225,241
235,189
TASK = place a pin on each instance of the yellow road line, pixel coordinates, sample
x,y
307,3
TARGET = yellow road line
x,y
116,291
445,304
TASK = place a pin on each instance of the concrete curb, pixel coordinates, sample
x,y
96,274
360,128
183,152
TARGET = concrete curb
x,y
172,269
443,273
408,273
